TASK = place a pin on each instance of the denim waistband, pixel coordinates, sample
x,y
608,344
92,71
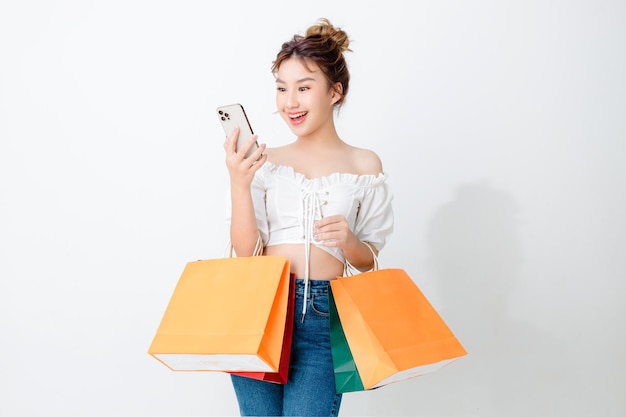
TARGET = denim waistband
x,y
316,287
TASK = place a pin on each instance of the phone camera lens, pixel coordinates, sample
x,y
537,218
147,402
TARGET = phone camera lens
x,y
221,112
223,118
227,116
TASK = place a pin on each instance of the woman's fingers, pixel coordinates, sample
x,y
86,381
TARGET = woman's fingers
x,y
240,168
237,156
230,145
332,230
250,144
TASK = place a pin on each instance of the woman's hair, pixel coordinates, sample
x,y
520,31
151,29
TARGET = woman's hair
x,y
323,44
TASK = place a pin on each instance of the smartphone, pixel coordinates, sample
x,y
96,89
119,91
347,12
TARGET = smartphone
x,y
233,115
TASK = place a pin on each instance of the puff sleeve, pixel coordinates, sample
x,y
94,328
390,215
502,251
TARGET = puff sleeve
x,y
374,221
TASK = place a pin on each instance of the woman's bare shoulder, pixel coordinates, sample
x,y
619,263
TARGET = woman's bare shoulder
x,y
366,161
278,155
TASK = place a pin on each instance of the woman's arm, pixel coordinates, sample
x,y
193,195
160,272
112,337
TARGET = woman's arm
x,y
244,233
362,256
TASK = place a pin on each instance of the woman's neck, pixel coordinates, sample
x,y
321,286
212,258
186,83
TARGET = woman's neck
x,y
326,137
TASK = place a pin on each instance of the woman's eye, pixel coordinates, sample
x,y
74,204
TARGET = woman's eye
x,y
281,89
303,88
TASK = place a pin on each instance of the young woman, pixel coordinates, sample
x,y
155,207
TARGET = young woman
x,y
318,201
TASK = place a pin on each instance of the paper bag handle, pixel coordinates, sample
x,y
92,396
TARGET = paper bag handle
x,y
258,248
349,269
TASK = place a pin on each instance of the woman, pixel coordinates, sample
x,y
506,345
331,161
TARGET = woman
x,y
317,201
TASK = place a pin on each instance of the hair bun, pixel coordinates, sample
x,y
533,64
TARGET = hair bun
x,y
326,30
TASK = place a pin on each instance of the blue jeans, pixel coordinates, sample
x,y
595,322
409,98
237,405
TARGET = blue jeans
x,y
310,389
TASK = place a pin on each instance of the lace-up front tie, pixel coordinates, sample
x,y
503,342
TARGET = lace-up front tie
x,y
311,209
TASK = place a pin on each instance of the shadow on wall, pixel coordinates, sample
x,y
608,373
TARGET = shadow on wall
x,y
475,257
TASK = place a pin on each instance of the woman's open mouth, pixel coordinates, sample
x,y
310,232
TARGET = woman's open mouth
x,y
297,118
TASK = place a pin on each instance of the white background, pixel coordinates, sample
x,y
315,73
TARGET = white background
x,y
500,124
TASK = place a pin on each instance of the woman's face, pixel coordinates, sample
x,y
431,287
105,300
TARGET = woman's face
x,y
303,97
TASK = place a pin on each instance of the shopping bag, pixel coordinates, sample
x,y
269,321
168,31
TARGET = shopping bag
x,y
347,377
392,330
281,376
226,314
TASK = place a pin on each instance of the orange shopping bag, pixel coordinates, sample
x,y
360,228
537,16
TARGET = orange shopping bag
x,y
280,376
226,315
392,331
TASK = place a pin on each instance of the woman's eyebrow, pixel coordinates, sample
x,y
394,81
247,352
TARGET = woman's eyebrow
x,y
302,80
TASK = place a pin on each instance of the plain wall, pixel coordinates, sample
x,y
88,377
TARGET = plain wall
x,y
500,124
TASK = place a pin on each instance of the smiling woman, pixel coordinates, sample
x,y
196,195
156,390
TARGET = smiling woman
x,y
318,201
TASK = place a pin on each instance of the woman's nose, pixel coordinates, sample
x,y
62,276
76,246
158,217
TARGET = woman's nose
x,y
292,99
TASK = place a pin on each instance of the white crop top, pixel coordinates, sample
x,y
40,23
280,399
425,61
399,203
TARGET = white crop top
x,y
287,204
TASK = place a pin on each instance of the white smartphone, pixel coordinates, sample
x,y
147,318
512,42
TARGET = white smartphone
x,y
233,115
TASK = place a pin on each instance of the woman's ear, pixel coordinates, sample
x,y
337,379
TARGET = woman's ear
x,y
337,92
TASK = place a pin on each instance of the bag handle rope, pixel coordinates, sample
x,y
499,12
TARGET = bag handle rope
x,y
350,270
258,248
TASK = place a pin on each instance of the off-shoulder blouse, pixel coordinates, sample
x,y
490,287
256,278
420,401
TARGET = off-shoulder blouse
x,y
287,204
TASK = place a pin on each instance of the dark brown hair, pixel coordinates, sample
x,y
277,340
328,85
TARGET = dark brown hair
x,y
323,44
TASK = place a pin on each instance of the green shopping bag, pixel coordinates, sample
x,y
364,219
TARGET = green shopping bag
x,y
347,377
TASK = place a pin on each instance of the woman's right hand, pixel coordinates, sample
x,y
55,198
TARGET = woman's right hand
x,y
240,168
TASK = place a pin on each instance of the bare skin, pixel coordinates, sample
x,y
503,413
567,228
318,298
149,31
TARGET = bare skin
x,y
305,101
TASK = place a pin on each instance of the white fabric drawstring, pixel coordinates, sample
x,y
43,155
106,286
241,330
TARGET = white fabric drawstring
x,y
311,211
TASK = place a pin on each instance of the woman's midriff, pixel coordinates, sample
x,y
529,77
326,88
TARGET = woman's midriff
x,y
324,266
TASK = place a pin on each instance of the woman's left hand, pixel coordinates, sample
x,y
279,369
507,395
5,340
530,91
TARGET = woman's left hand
x,y
334,231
